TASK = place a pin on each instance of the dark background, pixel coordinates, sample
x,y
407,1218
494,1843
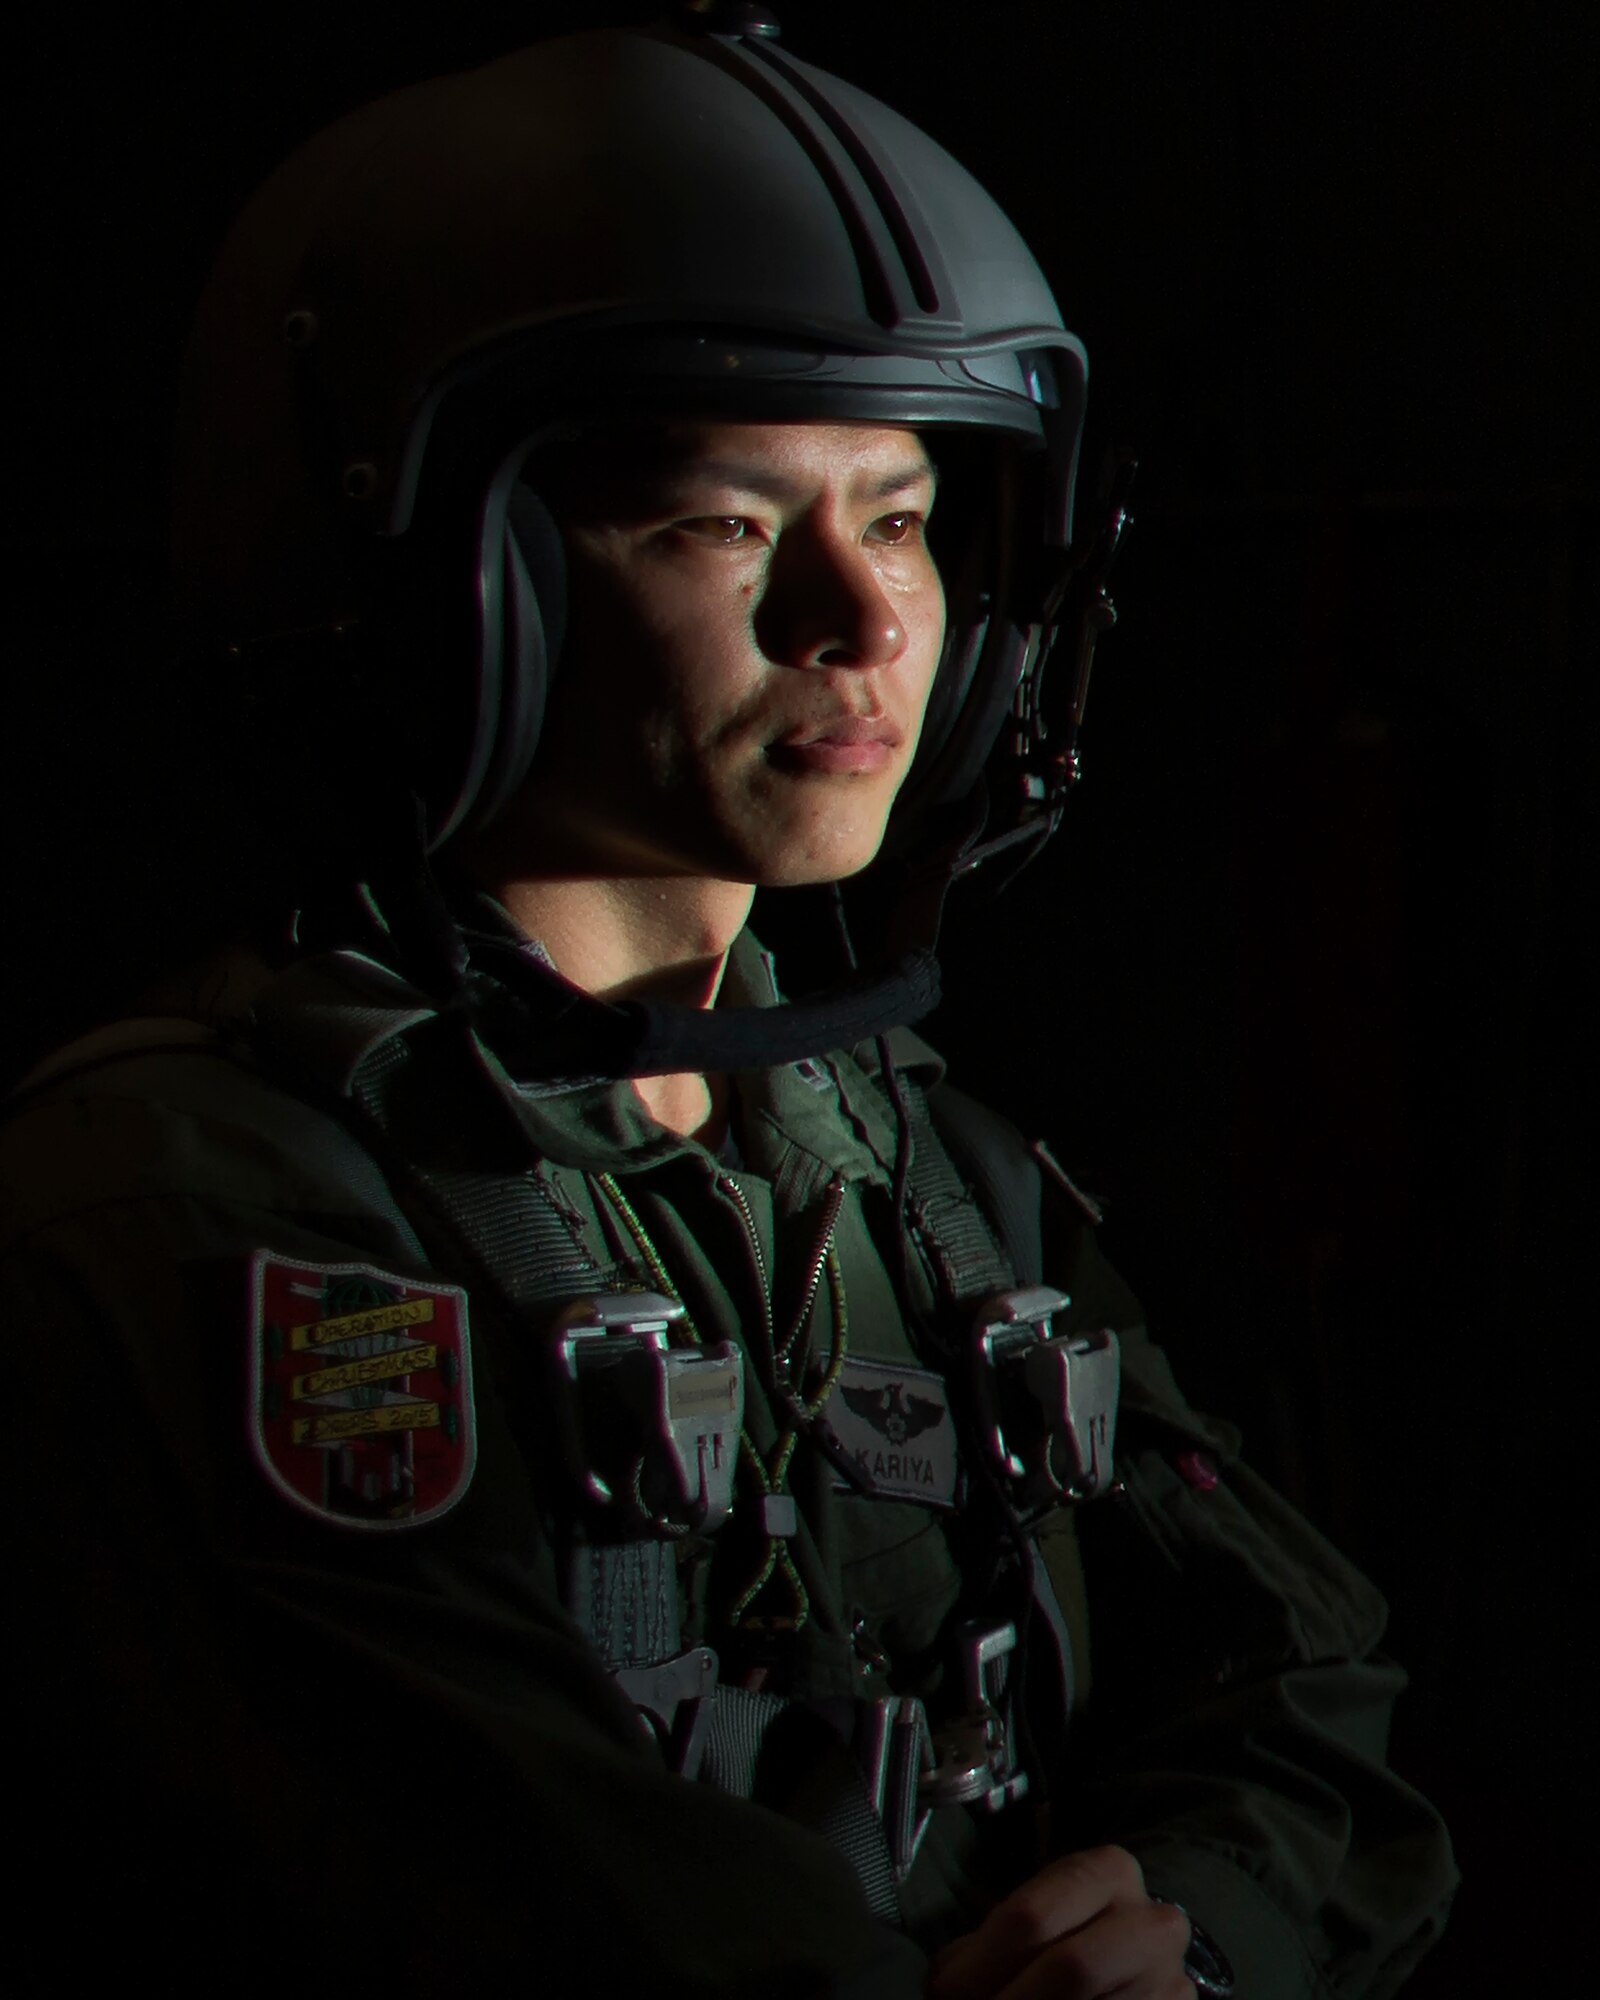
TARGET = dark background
x,y
1300,991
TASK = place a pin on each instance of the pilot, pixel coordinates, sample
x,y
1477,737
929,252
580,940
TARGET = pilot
x,y
558,1449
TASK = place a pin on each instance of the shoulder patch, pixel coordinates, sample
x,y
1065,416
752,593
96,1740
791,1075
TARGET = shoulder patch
x,y
360,1391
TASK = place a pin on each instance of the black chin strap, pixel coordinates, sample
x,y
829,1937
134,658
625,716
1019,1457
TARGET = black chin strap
x,y
545,1030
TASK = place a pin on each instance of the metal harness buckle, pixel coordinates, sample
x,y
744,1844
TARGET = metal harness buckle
x,y
650,1431
975,1761
1046,1401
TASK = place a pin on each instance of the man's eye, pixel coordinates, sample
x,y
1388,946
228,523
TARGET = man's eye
x,y
723,529
895,529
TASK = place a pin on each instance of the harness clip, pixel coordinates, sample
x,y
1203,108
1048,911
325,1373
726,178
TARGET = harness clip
x,y
1046,1401
650,1432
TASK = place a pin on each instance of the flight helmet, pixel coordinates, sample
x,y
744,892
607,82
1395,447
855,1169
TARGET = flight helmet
x,y
608,227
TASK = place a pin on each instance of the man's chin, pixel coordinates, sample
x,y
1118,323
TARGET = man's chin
x,y
811,871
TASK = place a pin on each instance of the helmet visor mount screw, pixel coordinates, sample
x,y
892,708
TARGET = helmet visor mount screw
x,y
299,329
360,480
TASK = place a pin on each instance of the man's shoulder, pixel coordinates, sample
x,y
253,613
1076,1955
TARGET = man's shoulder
x,y
163,1107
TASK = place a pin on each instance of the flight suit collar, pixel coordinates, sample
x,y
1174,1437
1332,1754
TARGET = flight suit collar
x,y
603,1127
334,1011
328,1013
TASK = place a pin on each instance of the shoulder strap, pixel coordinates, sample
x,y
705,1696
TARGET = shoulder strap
x,y
429,1098
993,1157
949,1213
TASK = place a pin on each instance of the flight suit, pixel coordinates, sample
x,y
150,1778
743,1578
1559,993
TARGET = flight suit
x,y
305,1735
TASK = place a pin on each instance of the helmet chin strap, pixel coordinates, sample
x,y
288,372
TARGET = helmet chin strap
x,y
546,1030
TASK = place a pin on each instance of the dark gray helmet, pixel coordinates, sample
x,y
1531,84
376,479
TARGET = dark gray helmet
x,y
601,227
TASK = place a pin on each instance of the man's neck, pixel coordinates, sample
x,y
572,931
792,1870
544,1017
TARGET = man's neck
x,y
645,938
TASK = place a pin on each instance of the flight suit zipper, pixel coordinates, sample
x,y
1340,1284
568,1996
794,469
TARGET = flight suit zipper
x,y
729,1187
788,1366
778,1514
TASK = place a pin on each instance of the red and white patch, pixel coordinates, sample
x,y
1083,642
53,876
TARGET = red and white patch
x,y
360,1391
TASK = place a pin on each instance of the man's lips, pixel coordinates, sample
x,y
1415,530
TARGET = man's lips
x,y
843,729
845,743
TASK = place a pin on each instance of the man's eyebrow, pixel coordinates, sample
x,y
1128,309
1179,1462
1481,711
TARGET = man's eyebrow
x,y
743,477
902,480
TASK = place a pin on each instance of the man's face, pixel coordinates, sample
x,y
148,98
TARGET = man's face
x,y
755,623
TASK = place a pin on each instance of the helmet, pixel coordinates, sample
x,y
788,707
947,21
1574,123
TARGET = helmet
x,y
679,219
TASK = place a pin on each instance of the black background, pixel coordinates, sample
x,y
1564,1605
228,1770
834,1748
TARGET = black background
x,y
1300,990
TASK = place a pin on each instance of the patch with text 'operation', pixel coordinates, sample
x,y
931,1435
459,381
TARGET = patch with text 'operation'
x,y
360,1391
895,1423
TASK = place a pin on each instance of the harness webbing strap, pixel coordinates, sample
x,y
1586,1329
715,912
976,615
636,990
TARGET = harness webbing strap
x,y
625,1596
851,1826
739,1724
796,1757
508,1217
951,1228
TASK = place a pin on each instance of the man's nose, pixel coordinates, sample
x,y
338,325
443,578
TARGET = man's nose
x,y
825,605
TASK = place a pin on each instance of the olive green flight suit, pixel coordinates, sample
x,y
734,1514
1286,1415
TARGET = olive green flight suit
x,y
286,1753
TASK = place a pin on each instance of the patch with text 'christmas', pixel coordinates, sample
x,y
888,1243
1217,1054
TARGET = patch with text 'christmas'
x,y
360,1391
895,1423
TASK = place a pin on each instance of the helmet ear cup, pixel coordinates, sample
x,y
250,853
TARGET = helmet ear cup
x,y
536,542
970,534
533,630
